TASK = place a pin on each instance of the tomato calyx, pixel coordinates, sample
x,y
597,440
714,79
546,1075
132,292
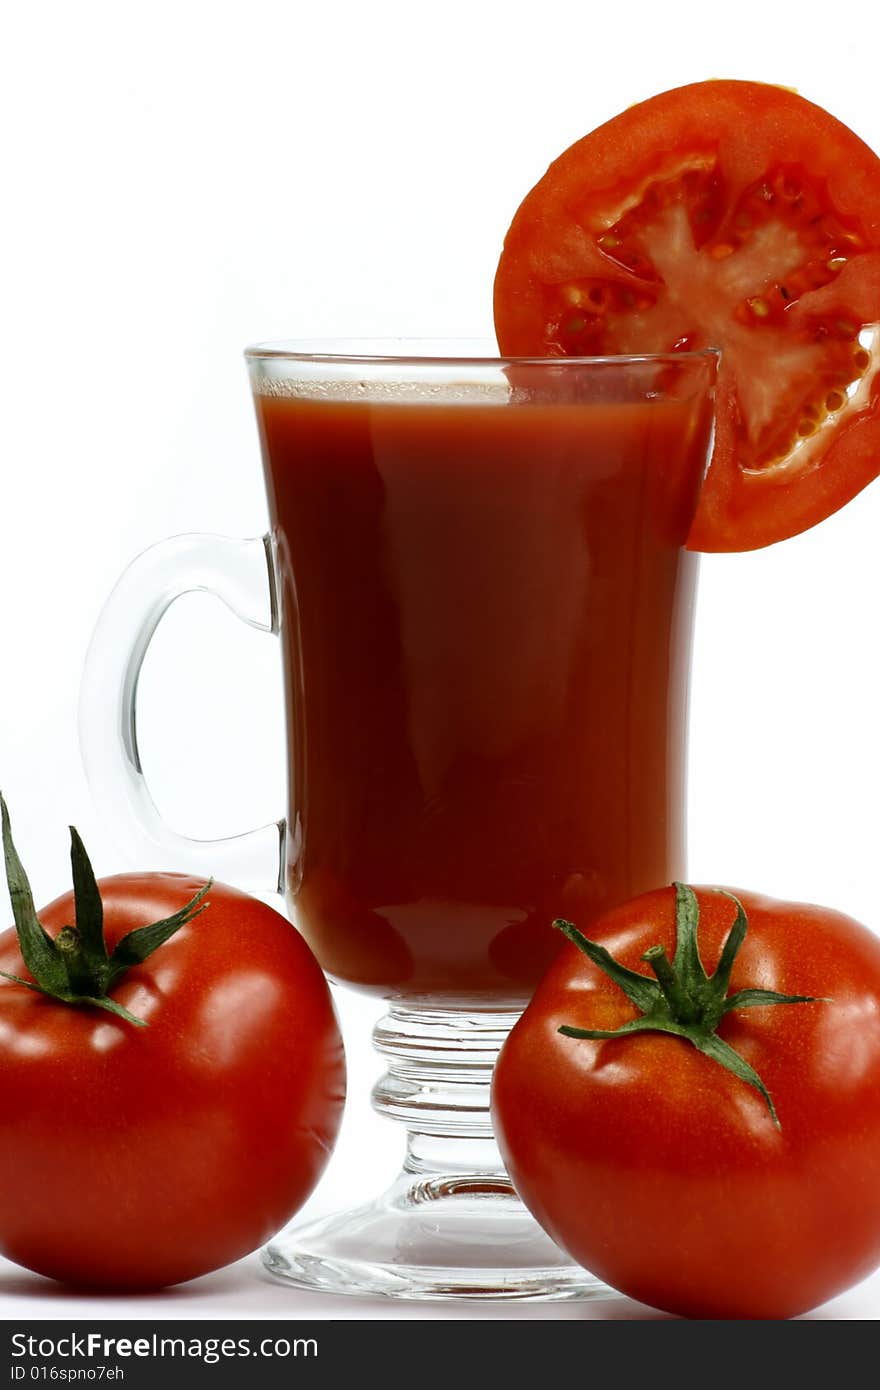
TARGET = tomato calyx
x,y
74,967
683,1000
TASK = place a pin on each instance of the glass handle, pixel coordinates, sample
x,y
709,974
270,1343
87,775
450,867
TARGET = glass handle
x,y
242,574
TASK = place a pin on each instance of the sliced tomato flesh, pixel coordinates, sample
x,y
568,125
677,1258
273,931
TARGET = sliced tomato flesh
x,y
686,274
777,264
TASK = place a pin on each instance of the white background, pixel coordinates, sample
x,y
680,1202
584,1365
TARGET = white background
x,y
181,179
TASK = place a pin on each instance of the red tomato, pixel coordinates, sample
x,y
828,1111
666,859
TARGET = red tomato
x,y
665,1174
732,215
141,1156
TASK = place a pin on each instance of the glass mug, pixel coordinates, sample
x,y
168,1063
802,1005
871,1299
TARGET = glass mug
x,y
476,570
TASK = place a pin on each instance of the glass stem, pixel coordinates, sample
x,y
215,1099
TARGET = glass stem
x,y
438,1079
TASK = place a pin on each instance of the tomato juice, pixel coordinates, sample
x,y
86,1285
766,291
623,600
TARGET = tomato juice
x,y
486,624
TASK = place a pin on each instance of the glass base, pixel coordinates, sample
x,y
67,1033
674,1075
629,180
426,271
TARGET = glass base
x,y
466,1236
451,1225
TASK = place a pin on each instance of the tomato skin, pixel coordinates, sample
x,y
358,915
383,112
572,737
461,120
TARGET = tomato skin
x,y
660,1171
742,130
139,1157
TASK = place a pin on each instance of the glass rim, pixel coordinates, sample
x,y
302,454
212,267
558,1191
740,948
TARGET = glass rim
x,y
345,352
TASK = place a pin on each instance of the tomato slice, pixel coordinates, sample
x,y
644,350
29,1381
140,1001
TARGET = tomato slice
x,y
733,215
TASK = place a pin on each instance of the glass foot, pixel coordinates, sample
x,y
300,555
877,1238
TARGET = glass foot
x,y
466,1236
451,1225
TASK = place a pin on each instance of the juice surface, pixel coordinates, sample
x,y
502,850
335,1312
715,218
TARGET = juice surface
x,y
486,633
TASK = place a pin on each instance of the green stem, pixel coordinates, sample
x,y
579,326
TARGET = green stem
x,y
685,1002
681,1005
79,973
75,967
